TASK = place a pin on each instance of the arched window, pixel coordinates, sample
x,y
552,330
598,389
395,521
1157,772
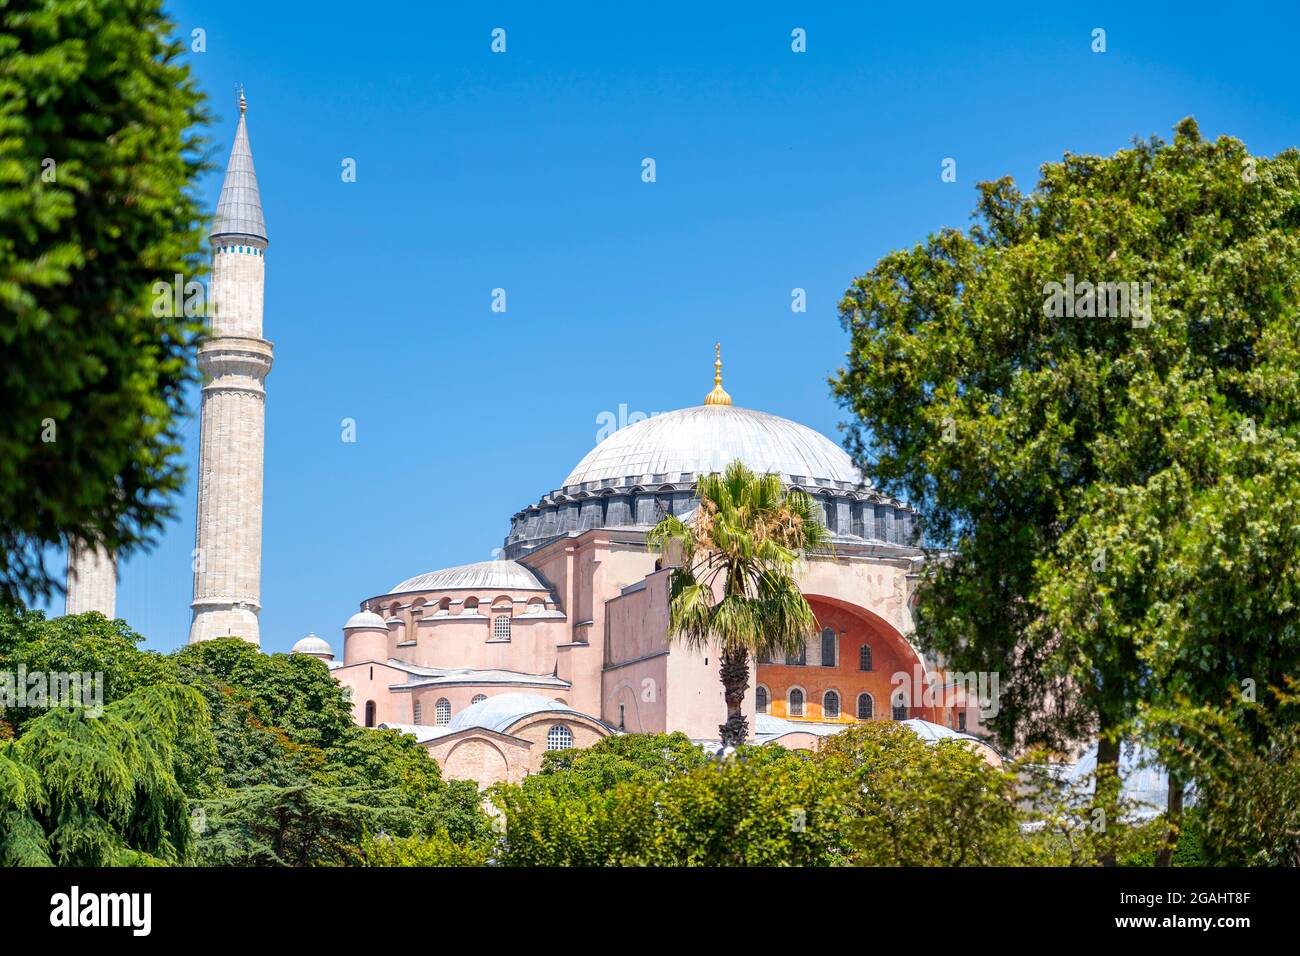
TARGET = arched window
x,y
802,657
796,702
370,713
866,707
416,711
478,697
501,628
828,647
442,712
444,605
765,656
864,658
471,606
830,705
559,737
760,699
900,708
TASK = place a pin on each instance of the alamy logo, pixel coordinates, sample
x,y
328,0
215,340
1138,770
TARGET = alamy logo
x,y
39,689
74,909
611,422
972,689
1101,300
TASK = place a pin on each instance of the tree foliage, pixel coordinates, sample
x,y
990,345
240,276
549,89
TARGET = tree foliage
x,y
875,795
97,162
254,754
1118,491
101,790
1244,758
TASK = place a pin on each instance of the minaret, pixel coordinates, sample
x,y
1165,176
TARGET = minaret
x,y
92,581
235,361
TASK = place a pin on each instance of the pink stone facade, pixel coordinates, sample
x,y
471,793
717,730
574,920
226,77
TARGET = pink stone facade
x,y
567,636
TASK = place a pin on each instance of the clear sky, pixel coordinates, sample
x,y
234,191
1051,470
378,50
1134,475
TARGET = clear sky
x,y
522,171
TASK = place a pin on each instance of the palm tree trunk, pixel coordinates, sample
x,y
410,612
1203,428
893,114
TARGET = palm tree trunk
x,y
734,672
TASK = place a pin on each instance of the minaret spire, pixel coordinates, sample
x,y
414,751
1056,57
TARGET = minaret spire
x,y
235,361
717,396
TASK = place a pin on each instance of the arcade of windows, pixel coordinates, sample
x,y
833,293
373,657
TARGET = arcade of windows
x,y
865,710
829,654
796,698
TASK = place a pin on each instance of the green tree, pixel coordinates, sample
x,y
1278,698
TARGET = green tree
x,y
919,804
1244,757
291,691
765,807
1117,491
83,790
423,851
299,825
81,644
733,582
622,758
97,162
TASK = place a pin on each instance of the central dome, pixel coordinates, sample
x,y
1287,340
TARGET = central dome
x,y
694,441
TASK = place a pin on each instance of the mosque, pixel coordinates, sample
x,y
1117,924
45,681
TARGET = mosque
x,y
564,640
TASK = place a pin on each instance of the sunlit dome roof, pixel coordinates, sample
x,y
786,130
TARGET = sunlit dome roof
x,y
365,619
487,575
703,439
499,712
311,644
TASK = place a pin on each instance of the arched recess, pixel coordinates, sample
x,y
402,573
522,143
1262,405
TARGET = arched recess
x,y
881,632
477,759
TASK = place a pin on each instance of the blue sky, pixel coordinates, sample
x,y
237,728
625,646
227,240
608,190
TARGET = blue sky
x,y
522,171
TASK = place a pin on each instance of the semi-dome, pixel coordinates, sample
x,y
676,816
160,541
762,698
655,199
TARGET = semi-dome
x,y
498,575
502,710
704,439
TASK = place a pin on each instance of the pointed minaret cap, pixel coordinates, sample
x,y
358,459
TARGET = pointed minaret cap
x,y
717,396
239,210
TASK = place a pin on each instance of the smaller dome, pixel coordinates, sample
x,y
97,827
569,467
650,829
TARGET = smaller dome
x,y
499,712
498,575
311,644
365,619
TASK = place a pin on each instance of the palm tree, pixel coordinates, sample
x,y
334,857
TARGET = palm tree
x,y
733,584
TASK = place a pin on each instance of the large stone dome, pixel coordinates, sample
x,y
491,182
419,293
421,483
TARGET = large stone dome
x,y
682,445
648,469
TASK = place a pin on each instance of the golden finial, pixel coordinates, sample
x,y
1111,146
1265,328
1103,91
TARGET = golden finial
x,y
717,396
243,103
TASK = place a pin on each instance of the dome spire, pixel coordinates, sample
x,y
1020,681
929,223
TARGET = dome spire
x,y
717,396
